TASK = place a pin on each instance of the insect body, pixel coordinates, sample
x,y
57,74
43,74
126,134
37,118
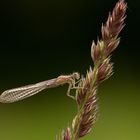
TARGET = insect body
x,y
16,94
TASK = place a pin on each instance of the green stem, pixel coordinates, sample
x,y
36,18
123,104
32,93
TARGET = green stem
x,y
81,108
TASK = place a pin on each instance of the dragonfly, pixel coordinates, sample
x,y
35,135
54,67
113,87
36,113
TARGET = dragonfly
x,y
20,93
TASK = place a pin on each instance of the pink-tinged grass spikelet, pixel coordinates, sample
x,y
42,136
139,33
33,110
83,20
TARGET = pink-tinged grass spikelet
x,y
86,99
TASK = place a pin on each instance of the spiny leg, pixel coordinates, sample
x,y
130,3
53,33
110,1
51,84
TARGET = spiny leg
x,y
72,86
68,91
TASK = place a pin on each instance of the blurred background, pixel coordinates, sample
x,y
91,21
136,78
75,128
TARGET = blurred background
x,y
40,40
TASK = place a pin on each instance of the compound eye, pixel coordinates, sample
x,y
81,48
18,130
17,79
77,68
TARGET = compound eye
x,y
77,75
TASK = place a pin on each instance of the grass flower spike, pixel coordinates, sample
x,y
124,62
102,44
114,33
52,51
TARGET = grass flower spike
x,y
103,68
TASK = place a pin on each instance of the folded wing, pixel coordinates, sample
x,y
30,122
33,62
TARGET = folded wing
x,y
21,93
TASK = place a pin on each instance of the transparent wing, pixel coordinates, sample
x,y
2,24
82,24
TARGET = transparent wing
x,y
21,93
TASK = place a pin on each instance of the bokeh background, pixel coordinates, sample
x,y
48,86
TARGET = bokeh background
x,y
41,40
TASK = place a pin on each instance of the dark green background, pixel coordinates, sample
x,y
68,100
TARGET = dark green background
x,y
40,40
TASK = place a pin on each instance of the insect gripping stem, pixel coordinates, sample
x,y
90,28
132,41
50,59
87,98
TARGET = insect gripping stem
x,y
20,93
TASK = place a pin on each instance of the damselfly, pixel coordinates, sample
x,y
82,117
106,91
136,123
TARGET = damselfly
x,y
20,93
